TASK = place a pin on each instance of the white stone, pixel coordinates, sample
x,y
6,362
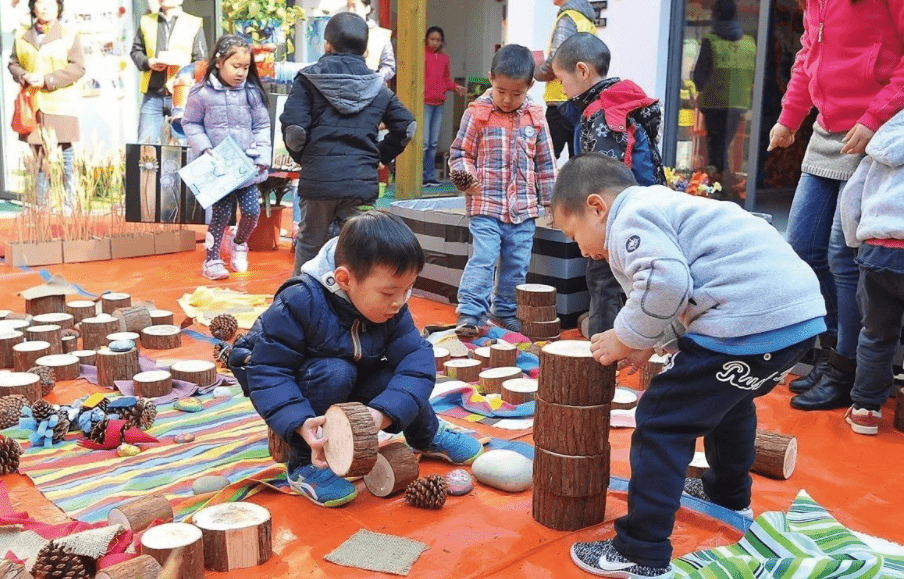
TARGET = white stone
x,y
505,470
222,392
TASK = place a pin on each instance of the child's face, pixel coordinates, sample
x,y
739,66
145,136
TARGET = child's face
x,y
577,81
587,228
380,295
434,41
509,93
234,69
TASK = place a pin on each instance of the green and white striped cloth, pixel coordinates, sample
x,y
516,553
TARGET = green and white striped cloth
x,y
807,542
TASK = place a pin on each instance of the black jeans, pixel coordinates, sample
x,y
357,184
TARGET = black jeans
x,y
606,297
561,130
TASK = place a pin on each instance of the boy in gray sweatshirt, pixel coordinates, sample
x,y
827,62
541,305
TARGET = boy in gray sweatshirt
x,y
728,296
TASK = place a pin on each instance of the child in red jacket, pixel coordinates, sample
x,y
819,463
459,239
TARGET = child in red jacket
x,y
437,83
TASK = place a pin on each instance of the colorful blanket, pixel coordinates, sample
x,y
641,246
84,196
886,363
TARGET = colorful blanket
x,y
461,400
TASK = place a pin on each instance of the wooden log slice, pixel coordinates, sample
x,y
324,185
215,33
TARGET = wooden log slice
x,y
133,318
441,355
503,354
27,353
519,390
698,465
64,366
139,514
464,369
8,339
567,513
113,301
624,399
13,570
776,455
537,313
163,337
152,383
396,468
351,439
180,540
161,317
63,320
141,567
574,430
88,357
482,355
491,379
133,337
24,383
70,344
541,330
94,331
535,294
279,449
46,305
236,535
571,476
50,333
569,375
899,410
201,372
8,325
81,309
649,371
4,313
113,366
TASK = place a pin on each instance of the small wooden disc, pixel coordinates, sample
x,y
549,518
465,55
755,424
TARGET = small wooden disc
x,y
64,366
113,301
26,354
492,378
519,390
571,476
351,439
396,468
236,535
50,333
8,339
81,309
482,354
24,383
624,398
4,313
163,337
535,294
13,325
776,455
133,318
163,541
112,366
541,330
572,430
463,369
152,383
88,357
137,515
65,321
201,372
94,330
441,355
537,313
503,354
70,344
161,317
141,567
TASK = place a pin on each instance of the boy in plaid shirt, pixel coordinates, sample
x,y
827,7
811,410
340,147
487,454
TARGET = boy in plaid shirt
x,y
504,143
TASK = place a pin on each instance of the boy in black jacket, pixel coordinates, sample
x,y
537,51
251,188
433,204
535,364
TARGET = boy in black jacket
x,y
330,125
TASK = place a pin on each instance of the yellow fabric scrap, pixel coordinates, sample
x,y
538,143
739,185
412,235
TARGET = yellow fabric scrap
x,y
206,303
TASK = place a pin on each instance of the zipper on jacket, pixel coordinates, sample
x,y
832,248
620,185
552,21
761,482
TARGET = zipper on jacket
x,y
356,340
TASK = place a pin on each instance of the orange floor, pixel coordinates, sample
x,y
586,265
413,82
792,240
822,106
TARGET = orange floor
x,y
488,533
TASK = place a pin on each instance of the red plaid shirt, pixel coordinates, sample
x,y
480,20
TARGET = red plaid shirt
x,y
511,156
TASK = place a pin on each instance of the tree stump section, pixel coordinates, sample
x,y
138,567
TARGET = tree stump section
x,y
503,354
113,366
519,390
70,344
46,305
698,465
179,540
482,355
542,330
567,513
899,410
279,448
161,317
141,567
163,337
236,535
4,313
63,320
569,375
571,476
24,383
8,325
491,379
396,468
624,399
201,372
113,301
139,514
441,355
88,357
776,455
535,294
64,366
649,371
27,353
153,383
133,318
120,336
463,369
351,439
95,331
50,333
574,430
536,313
81,309
8,339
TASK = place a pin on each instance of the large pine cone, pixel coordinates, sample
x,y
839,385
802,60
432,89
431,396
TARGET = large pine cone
x,y
224,326
98,432
427,493
462,180
10,409
221,351
48,380
9,455
61,429
53,562
42,410
142,414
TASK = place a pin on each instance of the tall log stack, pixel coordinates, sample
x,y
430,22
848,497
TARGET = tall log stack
x,y
571,437
537,311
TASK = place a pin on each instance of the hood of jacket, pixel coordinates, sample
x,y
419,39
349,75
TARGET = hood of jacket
x,y
322,268
887,145
582,6
344,81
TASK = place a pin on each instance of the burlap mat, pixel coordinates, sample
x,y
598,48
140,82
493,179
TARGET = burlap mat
x,y
377,552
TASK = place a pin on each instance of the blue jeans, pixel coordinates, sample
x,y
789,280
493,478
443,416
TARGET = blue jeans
x,y
814,231
508,243
42,181
150,117
433,120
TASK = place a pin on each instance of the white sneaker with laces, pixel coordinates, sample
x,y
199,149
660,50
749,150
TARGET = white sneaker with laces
x,y
239,259
214,269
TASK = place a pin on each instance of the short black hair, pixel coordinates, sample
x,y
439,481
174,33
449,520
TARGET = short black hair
x,y
347,33
583,47
724,10
433,29
585,175
378,238
514,61
31,8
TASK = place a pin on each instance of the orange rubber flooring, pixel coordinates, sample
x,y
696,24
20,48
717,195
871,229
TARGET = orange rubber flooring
x,y
487,533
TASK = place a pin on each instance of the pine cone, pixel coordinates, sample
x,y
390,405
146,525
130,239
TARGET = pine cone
x,y
42,410
10,409
462,180
427,493
9,455
48,380
224,326
141,415
98,432
221,351
53,562
61,429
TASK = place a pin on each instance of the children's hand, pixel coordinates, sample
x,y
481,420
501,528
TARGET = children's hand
x,y
473,189
636,360
312,433
460,90
380,420
856,140
156,64
608,349
780,136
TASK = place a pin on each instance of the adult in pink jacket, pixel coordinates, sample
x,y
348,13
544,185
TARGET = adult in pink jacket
x,y
851,68
437,82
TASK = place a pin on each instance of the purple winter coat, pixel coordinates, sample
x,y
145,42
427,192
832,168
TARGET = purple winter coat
x,y
214,111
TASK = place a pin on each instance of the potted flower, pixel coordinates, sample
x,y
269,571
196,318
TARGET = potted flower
x,y
263,22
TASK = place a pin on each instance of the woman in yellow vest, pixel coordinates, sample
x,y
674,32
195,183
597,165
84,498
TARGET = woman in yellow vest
x,y
47,57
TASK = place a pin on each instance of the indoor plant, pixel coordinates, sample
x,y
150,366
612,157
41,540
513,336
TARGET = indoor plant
x,y
262,21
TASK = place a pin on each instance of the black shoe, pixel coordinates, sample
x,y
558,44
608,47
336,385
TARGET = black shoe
x,y
833,390
804,383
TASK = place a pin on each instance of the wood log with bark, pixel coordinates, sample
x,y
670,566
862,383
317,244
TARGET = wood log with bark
x,y
26,354
153,383
164,337
139,514
81,309
50,333
574,430
491,379
112,301
112,366
95,330
201,372
351,439
64,366
569,375
464,369
396,468
24,383
236,535
181,541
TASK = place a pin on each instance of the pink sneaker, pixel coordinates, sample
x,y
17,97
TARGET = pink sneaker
x,y
863,421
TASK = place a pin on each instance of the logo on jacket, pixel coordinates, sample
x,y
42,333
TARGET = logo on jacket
x,y
633,243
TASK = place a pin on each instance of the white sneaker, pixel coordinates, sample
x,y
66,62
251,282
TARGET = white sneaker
x,y
214,269
239,259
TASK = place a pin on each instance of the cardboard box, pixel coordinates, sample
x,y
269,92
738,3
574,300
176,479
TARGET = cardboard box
x,y
33,254
265,236
186,240
132,246
82,250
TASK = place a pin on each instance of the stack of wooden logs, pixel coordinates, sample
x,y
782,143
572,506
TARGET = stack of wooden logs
x,y
571,437
537,311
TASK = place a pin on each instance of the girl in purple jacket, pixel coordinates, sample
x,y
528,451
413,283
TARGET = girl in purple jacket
x,y
230,102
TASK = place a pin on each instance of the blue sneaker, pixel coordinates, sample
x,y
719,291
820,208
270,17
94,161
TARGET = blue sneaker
x,y
454,447
321,486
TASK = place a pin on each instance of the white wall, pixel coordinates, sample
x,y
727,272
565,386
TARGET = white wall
x,y
637,35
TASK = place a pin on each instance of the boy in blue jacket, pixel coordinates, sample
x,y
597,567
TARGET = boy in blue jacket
x,y
720,287
342,332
